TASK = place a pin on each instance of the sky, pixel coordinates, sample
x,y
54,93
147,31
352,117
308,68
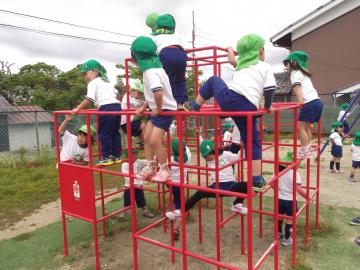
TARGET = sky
x,y
219,23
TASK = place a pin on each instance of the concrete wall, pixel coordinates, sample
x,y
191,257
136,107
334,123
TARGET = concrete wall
x,y
25,135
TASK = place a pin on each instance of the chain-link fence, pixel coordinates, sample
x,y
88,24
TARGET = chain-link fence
x,y
33,130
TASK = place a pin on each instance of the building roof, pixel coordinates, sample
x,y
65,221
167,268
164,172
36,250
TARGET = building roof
x,y
312,21
5,106
283,83
27,115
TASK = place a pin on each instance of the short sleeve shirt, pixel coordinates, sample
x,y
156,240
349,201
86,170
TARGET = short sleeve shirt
x,y
101,92
71,149
307,88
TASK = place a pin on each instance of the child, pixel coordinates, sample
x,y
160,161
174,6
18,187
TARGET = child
x,y
355,155
227,137
175,176
171,53
138,164
286,199
336,147
252,79
305,92
104,96
136,102
343,108
158,97
227,181
75,147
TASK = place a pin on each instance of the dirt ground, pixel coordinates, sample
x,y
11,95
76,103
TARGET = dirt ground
x,y
116,251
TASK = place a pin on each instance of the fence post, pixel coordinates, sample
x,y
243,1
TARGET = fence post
x,y
37,132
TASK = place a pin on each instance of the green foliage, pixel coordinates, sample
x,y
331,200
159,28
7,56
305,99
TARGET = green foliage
x,y
190,82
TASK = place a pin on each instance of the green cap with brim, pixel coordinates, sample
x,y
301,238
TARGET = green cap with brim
x,y
356,140
228,125
300,57
248,49
206,147
176,150
336,124
93,64
133,150
151,20
165,24
144,51
83,128
136,84
344,107
288,158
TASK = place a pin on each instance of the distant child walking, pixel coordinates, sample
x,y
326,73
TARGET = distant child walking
x,y
296,65
138,164
252,79
228,133
355,156
158,97
343,108
336,147
171,53
75,147
136,99
104,96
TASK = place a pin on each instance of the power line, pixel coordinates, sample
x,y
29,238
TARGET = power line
x,y
66,23
62,35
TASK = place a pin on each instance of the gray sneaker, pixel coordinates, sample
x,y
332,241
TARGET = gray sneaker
x,y
351,179
287,242
355,221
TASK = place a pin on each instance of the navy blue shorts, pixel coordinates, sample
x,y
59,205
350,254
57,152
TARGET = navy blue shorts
x,y
336,151
355,164
162,121
135,128
311,111
285,207
346,127
229,100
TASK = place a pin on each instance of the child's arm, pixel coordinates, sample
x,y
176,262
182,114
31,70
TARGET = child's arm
x,y
231,56
301,191
81,106
63,125
298,93
158,96
142,108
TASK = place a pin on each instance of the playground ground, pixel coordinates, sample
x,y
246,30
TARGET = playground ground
x,y
340,201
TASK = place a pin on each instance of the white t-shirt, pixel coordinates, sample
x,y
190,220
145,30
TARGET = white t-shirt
x,y
286,185
307,88
164,40
138,165
341,113
135,103
227,137
236,135
154,79
355,152
227,174
71,149
336,137
175,170
251,82
101,92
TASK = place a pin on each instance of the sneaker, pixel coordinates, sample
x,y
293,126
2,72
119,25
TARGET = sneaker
x,y
281,235
355,221
287,242
173,215
351,179
259,186
147,213
176,234
301,154
309,154
332,171
240,208
104,162
339,171
116,160
162,176
146,172
123,214
357,240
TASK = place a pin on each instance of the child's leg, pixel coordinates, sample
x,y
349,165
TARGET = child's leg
x,y
303,133
139,198
126,197
213,87
157,147
240,187
176,197
149,153
337,164
332,163
196,198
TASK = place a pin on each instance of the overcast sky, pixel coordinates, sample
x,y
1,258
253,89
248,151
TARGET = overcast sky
x,y
219,23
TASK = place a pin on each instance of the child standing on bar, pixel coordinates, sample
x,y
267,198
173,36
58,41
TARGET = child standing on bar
x,y
158,97
252,79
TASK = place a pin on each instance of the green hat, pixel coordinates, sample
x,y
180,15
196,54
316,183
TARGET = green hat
x,y
176,152
336,124
288,158
344,106
228,125
151,20
83,128
356,140
136,84
93,64
300,57
248,49
144,51
206,147
165,24
133,150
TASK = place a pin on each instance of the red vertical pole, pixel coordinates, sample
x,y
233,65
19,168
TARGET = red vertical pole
x,y
317,224
293,259
217,185
102,204
96,246
276,188
249,198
